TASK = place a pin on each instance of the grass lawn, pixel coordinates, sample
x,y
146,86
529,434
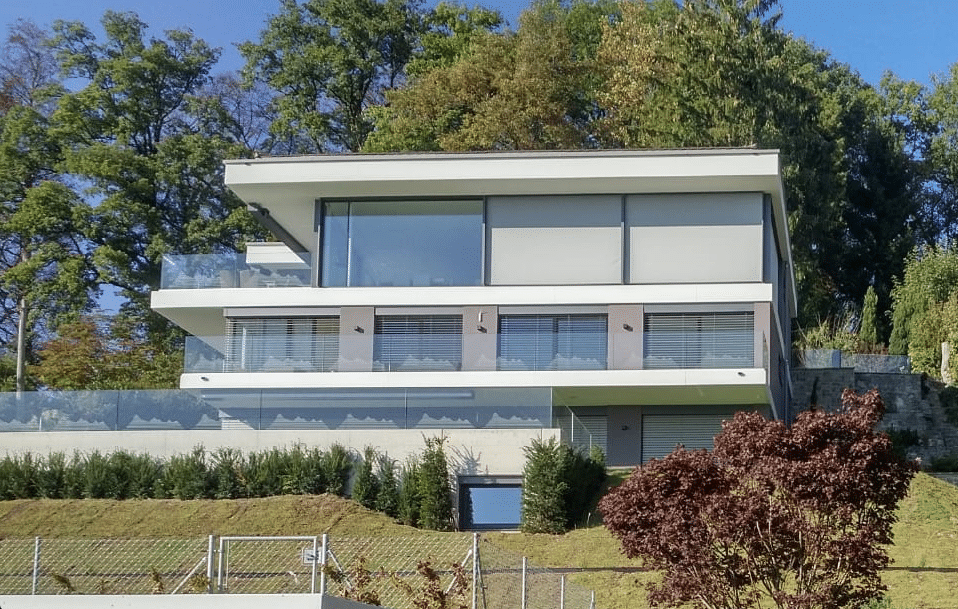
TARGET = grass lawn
x,y
924,573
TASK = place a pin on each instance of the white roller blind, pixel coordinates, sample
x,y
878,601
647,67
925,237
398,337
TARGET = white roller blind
x,y
418,342
699,340
553,342
297,344
567,240
661,433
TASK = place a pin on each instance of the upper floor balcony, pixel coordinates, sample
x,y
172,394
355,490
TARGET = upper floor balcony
x,y
264,265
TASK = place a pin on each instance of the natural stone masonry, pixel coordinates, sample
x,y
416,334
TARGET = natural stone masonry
x,y
912,403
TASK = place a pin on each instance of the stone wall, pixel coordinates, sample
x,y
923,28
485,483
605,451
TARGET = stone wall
x,y
911,401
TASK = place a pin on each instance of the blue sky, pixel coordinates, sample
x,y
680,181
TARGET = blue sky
x,y
913,39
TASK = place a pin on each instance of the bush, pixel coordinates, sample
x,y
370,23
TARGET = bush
x,y
944,463
558,485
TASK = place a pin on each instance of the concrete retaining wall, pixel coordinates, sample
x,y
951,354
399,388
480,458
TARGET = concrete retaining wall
x,y
911,401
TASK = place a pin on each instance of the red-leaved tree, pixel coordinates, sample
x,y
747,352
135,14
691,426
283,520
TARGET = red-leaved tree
x,y
796,516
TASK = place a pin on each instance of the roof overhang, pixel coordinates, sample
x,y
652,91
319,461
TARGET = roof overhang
x,y
288,187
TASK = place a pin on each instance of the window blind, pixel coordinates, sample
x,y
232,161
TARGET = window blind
x,y
699,340
553,342
290,344
418,342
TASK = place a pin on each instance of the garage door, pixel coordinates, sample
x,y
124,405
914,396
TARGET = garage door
x,y
661,433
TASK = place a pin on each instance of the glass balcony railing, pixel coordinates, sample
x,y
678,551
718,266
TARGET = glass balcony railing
x,y
233,270
478,408
105,411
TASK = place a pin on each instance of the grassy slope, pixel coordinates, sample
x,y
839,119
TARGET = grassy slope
x,y
924,574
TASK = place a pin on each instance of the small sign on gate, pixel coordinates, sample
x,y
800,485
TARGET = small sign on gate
x,y
310,556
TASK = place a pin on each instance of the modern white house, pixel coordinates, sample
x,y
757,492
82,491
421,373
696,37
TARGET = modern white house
x,y
626,299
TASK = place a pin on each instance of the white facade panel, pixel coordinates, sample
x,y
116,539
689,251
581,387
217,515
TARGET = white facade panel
x,y
555,240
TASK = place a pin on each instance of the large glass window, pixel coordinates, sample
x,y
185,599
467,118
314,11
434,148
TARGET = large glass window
x,y
402,243
699,340
295,344
553,342
417,342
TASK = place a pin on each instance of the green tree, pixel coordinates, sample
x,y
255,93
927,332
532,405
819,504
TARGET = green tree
x,y
45,272
388,499
330,60
102,352
930,277
156,176
723,73
544,487
868,333
435,492
529,90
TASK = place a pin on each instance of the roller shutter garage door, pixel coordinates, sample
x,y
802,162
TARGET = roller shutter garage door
x,y
661,433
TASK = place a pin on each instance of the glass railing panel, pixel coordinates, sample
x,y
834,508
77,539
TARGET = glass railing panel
x,y
474,408
579,351
144,410
200,354
231,270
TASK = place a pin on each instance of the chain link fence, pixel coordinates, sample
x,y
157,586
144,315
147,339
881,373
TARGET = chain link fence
x,y
389,571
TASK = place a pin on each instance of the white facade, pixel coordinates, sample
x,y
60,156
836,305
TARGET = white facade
x,y
631,299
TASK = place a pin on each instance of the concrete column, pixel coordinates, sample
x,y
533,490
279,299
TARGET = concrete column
x,y
625,337
763,332
480,333
356,328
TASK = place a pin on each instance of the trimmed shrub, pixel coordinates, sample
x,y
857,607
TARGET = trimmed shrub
x,y
387,500
366,486
187,476
336,466
409,498
226,475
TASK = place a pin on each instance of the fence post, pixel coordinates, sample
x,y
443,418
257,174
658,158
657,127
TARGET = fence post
x,y
592,602
312,577
562,592
210,554
36,563
475,568
523,605
322,574
219,568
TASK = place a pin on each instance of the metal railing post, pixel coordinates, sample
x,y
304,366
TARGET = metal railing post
x,y
562,592
210,554
322,574
523,605
36,564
